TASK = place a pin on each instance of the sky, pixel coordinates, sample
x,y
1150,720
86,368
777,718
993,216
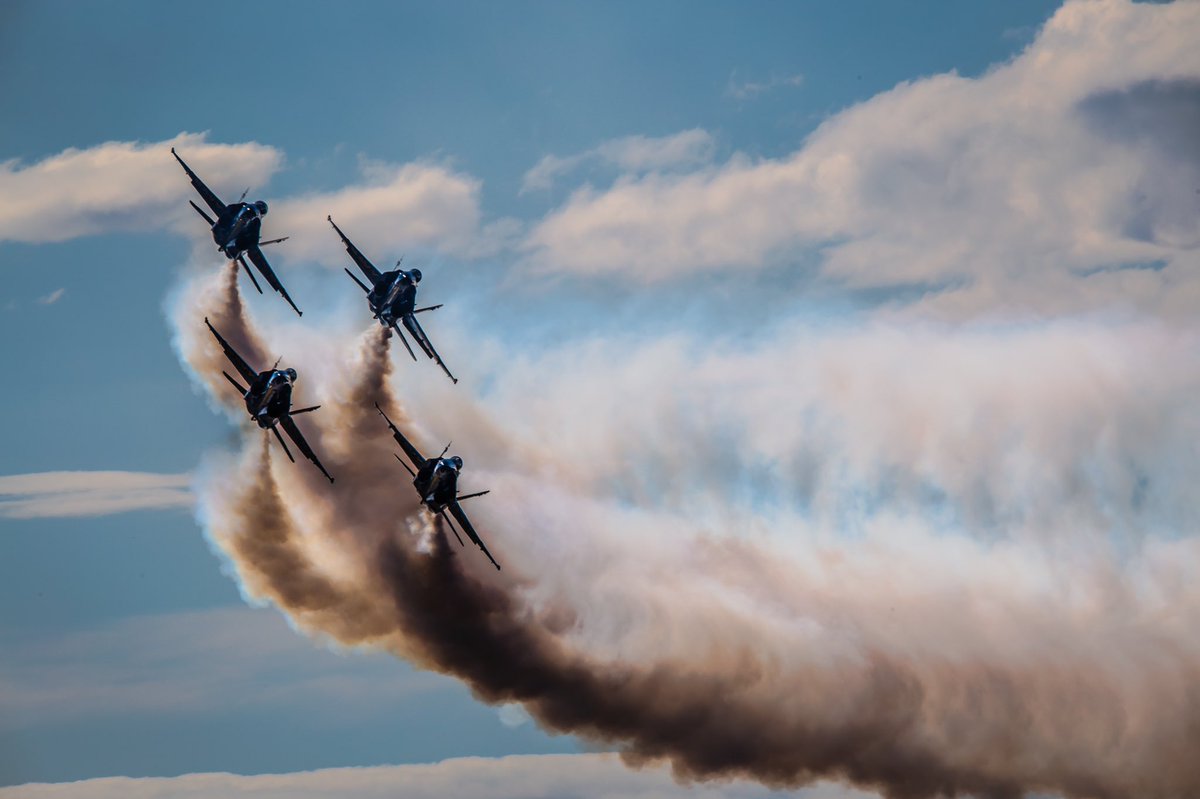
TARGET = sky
x,y
849,284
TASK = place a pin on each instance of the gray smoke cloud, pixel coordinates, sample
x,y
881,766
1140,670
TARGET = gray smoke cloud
x,y
931,562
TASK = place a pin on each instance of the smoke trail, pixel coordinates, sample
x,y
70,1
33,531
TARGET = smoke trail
x,y
857,662
215,296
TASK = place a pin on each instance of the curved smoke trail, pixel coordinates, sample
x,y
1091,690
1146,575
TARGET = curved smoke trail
x,y
732,656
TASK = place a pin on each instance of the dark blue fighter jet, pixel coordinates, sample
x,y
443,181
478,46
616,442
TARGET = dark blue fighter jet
x,y
436,481
269,400
236,231
392,297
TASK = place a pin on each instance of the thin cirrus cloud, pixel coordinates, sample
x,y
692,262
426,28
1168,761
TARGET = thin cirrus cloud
x,y
526,776
189,662
52,297
118,185
750,89
1058,170
630,154
71,494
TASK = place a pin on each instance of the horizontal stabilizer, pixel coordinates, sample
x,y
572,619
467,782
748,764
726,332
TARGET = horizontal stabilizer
x,y
451,526
253,280
404,341
283,444
200,211
405,465
236,384
472,496
361,285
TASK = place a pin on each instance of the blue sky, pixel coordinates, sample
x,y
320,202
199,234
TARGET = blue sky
x,y
125,645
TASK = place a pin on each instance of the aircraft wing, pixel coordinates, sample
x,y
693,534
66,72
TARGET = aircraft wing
x,y
423,341
365,265
213,201
459,516
289,427
412,452
243,368
255,254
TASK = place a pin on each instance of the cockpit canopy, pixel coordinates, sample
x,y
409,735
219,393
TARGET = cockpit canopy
x,y
416,275
457,461
291,374
261,207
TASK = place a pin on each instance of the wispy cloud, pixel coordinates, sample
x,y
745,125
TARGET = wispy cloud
x,y
52,297
628,154
526,776
139,186
120,185
390,209
62,494
190,662
749,89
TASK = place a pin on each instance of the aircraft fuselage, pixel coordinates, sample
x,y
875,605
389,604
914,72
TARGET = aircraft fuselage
x,y
437,483
394,296
238,228
269,397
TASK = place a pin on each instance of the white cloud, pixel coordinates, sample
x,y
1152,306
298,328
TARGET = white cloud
x,y
121,186
59,494
1030,182
396,207
586,776
137,186
630,154
52,297
749,89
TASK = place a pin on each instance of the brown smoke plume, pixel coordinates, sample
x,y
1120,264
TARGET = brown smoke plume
x,y
217,297
827,686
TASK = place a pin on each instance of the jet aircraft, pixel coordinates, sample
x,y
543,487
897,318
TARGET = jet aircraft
x,y
236,231
436,481
269,400
392,296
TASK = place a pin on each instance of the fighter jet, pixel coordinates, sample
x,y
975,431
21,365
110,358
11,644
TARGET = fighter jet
x,y
436,481
392,296
236,231
269,400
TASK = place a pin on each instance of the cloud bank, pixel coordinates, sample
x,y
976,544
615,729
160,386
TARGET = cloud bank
x,y
395,208
134,186
121,186
1063,180
523,776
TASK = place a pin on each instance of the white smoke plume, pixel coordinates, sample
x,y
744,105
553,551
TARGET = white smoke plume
x,y
929,560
